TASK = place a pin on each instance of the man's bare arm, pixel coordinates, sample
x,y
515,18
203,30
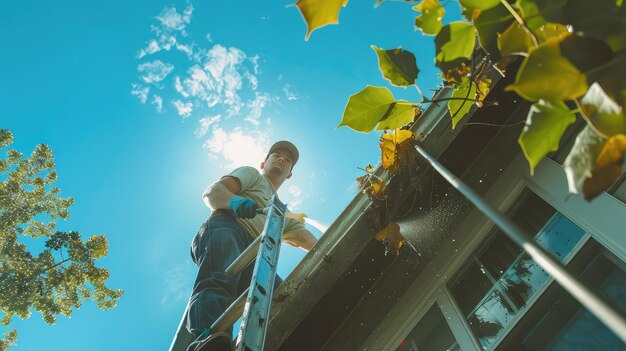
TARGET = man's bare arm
x,y
301,238
218,195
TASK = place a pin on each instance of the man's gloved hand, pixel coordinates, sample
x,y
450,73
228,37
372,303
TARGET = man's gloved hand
x,y
243,207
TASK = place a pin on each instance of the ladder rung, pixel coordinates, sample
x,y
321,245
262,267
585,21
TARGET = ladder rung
x,y
246,257
231,315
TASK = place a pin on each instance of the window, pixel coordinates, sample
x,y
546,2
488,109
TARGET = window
x,y
432,333
498,282
558,322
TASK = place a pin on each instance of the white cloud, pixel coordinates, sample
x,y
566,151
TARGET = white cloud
x,y
158,102
153,46
218,79
223,64
205,123
237,147
155,71
187,49
172,20
256,107
294,197
184,108
179,87
289,94
178,283
255,62
254,82
222,79
171,25
141,92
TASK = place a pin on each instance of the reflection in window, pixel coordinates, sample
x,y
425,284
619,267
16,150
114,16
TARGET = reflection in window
x,y
432,333
499,281
556,321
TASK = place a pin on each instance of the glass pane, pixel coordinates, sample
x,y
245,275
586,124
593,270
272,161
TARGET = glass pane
x,y
432,333
475,278
499,255
490,318
499,281
564,324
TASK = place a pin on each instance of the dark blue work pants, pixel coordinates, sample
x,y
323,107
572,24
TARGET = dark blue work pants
x,y
220,240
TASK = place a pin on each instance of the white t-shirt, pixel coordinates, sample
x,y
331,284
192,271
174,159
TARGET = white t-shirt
x,y
258,188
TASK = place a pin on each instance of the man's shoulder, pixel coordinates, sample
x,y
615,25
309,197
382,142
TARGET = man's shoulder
x,y
247,176
247,168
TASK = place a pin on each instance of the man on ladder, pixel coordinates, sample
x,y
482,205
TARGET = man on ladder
x,y
232,226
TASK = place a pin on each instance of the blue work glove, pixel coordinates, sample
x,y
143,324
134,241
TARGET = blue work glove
x,y
243,207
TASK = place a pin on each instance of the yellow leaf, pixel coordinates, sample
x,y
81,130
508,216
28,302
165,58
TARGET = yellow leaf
x,y
612,152
607,167
391,237
429,22
371,186
388,145
482,90
318,13
455,75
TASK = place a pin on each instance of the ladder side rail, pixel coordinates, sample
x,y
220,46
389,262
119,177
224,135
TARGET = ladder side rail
x,y
256,312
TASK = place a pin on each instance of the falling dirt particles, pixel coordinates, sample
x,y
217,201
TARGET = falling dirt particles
x,y
432,228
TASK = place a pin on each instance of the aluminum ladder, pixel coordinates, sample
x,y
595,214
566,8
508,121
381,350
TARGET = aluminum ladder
x,y
254,303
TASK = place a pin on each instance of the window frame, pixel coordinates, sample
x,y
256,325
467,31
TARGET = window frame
x,y
550,184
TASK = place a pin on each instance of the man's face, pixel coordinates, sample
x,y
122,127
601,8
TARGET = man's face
x,y
278,163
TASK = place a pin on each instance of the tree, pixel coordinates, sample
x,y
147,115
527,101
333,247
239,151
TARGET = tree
x,y
63,275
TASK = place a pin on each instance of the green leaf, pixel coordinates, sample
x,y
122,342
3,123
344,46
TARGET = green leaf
x,y
489,24
318,13
6,138
430,21
397,65
401,114
612,78
545,125
514,41
530,13
366,108
585,53
455,40
479,4
458,105
604,115
546,75
547,31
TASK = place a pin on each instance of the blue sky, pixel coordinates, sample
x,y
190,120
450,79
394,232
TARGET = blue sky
x,y
146,103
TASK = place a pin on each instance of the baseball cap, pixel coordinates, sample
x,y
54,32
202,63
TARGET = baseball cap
x,y
284,144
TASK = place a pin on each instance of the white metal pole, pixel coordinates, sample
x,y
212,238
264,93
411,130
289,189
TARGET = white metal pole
x,y
612,318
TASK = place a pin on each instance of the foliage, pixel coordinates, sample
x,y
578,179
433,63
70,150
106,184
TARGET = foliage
x,y
318,13
63,275
376,105
573,53
389,145
392,239
429,22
